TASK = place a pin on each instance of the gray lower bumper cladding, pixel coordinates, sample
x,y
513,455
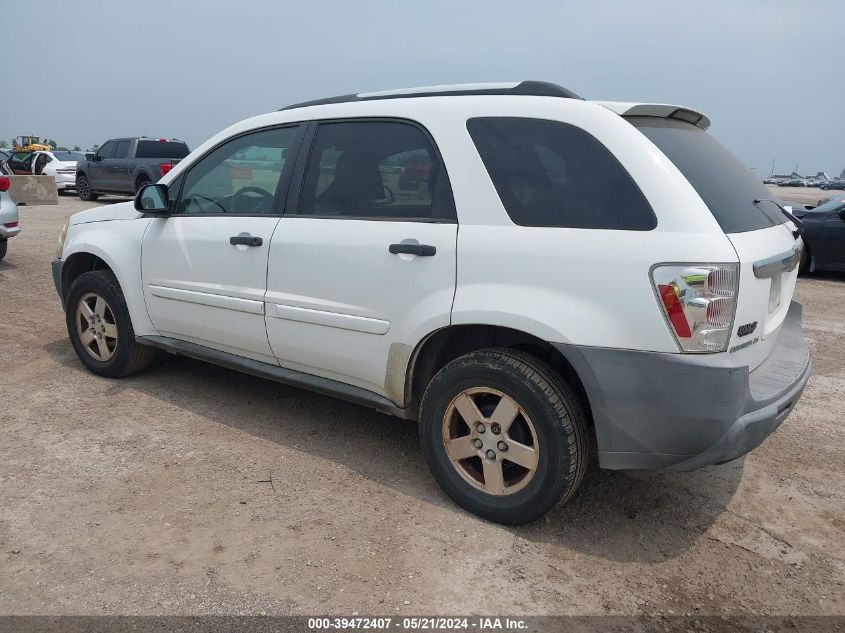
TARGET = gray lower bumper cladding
x,y
683,411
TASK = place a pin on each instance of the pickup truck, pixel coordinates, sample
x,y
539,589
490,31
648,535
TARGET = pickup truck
x,y
125,165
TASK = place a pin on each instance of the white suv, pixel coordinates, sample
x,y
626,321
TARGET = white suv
x,y
537,279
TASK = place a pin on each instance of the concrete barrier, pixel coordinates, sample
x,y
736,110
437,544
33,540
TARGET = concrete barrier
x,y
33,190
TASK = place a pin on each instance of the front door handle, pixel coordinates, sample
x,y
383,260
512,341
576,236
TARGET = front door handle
x,y
246,239
423,250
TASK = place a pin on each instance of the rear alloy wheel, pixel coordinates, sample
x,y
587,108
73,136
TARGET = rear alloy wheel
x,y
504,435
100,328
83,189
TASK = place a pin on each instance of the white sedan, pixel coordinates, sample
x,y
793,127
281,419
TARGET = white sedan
x,y
60,164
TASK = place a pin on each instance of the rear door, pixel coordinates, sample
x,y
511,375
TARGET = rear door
x,y
117,168
204,268
362,264
762,237
832,238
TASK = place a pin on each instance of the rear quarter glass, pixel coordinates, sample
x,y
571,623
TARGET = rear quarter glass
x,y
724,183
552,174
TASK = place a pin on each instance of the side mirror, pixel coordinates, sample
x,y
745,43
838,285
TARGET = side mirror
x,y
841,213
89,155
97,158
153,200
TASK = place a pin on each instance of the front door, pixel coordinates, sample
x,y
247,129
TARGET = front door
x,y
204,268
98,175
362,265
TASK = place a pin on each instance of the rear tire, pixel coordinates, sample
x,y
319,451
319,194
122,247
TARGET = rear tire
x,y
4,245
100,327
83,189
524,449
141,183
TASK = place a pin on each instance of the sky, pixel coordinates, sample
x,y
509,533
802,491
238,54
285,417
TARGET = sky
x,y
770,74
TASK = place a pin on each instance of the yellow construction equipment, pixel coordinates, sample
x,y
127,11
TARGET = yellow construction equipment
x,y
30,143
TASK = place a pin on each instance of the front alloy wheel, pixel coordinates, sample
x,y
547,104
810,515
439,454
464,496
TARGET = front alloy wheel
x,y
96,326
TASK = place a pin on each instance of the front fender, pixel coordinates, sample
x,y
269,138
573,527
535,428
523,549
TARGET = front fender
x,y
118,244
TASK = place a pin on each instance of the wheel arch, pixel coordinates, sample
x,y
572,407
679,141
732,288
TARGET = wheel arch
x,y
114,246
442,346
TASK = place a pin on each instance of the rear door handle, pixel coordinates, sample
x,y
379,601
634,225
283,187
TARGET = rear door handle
x,y
423,250
246,239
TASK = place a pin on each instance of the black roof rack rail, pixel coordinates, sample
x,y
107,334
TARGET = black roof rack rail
x,y
531,88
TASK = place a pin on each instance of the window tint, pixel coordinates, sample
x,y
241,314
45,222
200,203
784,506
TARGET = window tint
x,y
21,161
69,156
553,174
375,170
240,176
727,186
107,150
161,149
122,150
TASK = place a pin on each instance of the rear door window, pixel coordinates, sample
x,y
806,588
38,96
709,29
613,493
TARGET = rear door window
x,y
375,170
552,174
727,186
122,150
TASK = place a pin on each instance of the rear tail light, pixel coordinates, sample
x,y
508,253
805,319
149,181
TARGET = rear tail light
x,y
699,301
164,168
4,183
10,225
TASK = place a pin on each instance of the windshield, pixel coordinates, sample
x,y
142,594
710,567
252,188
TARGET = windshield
x,y
161,149
830,205
69,156
727,186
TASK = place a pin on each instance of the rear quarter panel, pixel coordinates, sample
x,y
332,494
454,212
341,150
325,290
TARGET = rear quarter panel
x,y
579,286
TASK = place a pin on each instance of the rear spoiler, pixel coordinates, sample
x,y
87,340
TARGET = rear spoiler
x,y
662,110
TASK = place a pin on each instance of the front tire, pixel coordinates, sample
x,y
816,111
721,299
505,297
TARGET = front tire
x,y
806,260
83,189
504,435
100,327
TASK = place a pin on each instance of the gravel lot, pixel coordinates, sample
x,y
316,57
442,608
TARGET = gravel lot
x,y
147,495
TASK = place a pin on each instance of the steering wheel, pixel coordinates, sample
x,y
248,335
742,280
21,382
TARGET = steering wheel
x,y
264,195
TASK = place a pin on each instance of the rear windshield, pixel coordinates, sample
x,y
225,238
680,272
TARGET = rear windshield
x,y
161,149
727,186
69,156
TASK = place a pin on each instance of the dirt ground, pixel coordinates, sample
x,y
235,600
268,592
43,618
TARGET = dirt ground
x,y
149,495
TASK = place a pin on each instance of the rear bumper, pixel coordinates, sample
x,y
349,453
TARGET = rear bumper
x,y
7,232
684,411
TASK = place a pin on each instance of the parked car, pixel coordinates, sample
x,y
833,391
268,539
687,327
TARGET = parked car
x,y
824,235
793,182
620,288
4,154
833,184
59,164
125,165
9,221
20,163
